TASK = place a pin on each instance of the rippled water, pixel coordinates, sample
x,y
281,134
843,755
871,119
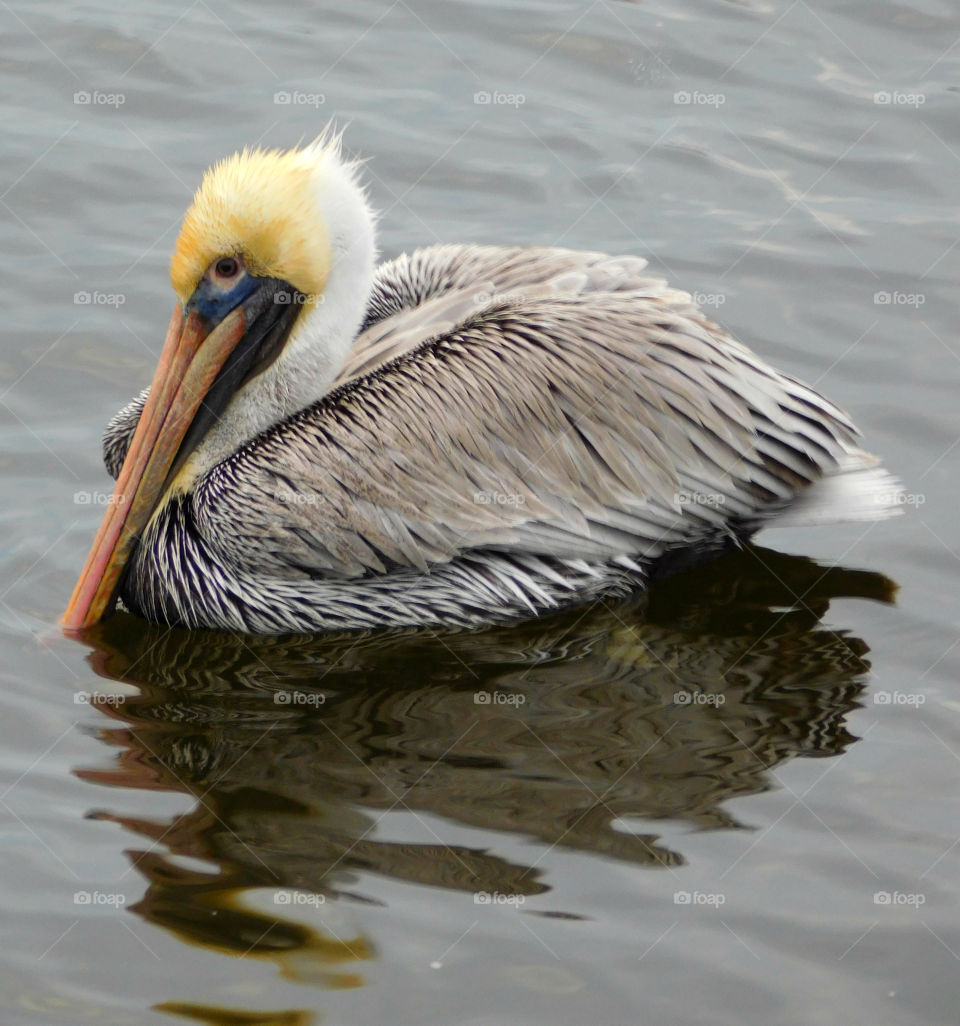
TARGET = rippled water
x,y
733,803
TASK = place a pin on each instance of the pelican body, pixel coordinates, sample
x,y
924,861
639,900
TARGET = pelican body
x,y
460,436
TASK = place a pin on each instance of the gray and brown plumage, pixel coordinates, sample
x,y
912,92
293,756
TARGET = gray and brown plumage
x,y
502,431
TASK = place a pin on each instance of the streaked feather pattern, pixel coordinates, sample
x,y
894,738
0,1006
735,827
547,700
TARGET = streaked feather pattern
x,y
514,429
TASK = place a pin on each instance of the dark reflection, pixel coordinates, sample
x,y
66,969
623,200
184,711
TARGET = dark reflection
x,y
663,706
234,1017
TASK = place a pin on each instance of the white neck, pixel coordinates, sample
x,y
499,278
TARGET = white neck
x,y
322,335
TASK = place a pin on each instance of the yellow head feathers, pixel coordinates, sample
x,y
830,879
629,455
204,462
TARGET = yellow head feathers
x,y
263,205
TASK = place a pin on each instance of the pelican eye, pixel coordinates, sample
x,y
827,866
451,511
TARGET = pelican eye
x,y
227,267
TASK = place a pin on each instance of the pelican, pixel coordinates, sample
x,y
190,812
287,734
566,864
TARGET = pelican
x,y
461,436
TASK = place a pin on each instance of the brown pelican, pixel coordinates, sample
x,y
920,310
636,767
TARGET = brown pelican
x,y
463,435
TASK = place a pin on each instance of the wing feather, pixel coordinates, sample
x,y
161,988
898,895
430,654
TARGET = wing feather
x,y
558,405
567,407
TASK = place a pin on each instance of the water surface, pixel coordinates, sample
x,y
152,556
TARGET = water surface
x,y
735,802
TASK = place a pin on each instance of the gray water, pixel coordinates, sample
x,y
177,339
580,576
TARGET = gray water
x,y
736,803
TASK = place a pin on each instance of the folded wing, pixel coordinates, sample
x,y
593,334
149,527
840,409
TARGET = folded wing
x,y
539,401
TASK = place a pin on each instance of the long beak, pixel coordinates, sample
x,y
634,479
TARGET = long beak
x,y
189,364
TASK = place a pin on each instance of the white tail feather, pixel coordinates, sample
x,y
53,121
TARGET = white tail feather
x,y
858,491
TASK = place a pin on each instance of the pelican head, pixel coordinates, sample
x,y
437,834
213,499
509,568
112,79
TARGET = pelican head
x,y
272,270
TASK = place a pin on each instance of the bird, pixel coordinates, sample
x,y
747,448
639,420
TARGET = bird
x,y
461,436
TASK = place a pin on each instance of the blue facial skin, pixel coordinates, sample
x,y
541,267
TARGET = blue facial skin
x,y
212,303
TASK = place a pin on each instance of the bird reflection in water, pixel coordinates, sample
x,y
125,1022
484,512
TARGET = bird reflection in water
x,y
598,720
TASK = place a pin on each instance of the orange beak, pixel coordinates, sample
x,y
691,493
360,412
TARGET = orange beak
x,y
190,362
